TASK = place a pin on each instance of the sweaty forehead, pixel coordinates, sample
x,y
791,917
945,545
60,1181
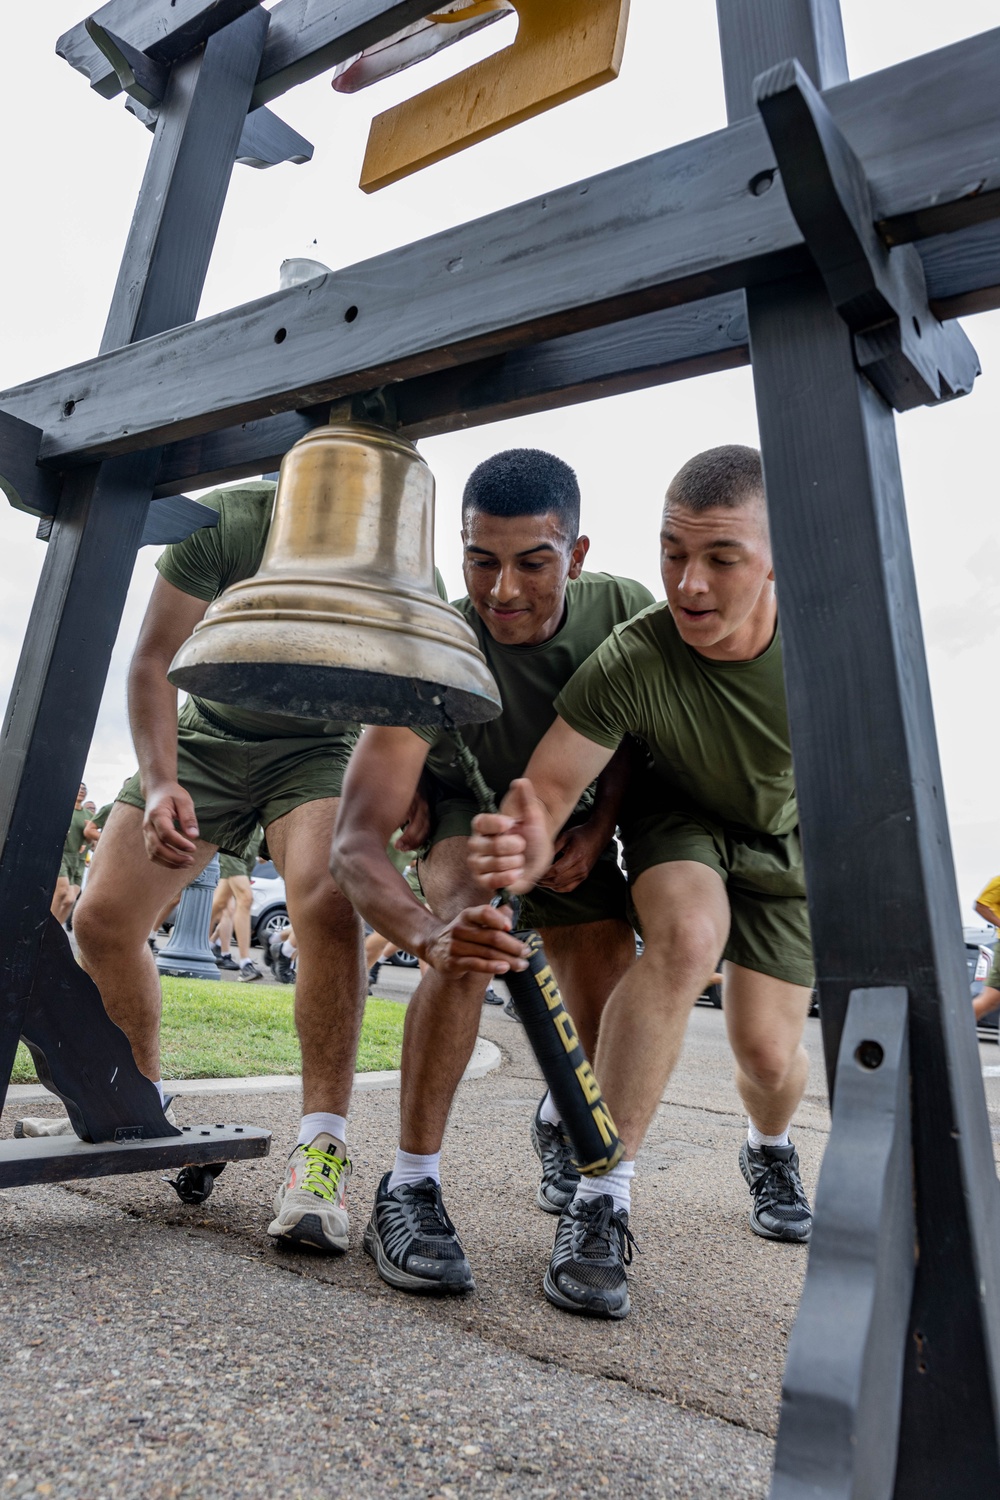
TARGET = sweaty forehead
x,y
513,534
739,524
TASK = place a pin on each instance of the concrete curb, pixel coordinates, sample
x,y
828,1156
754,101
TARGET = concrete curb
x,y
486,1058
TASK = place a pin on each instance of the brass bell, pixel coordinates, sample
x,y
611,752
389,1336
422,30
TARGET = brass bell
x,y
342,621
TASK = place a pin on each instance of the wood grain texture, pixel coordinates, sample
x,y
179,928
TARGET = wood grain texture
x,y
758,36
165,29
673,228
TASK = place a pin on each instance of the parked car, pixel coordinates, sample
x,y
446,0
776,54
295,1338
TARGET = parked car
x,y
268,911
979,943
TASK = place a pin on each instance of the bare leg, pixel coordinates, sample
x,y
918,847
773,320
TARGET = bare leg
x,y
442,1018
588,962
242,901
376,947
63,899
125,891
685,920
329,992
220,906
988,999
765,1018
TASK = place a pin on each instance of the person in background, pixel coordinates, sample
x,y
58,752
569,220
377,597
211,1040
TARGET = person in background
x,y
987,906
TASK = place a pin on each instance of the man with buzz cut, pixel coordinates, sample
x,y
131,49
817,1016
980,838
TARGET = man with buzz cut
x,y
712,848
537,616
205,781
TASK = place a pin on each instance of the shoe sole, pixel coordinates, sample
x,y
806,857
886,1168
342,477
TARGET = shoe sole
x,y
402,1280
551,1208
307,1232
770,1234
558,1299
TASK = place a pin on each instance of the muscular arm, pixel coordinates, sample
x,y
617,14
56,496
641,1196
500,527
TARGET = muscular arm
x,y
170,824
515,846
382,776
988,914
578,849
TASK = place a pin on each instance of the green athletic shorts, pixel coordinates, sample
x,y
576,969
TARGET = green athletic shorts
x,y
602,897
229,865
993,978
72,867
764,880
237,783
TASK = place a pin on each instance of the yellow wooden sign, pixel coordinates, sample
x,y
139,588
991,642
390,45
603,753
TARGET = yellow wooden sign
x,y
562,48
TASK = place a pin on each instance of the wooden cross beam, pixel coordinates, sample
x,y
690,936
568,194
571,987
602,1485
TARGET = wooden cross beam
x,y
673,228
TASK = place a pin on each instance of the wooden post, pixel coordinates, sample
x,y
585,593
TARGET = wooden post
x,y
882,895
60,677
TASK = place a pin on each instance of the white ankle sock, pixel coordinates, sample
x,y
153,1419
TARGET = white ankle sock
x,y
758,1139
287,950
548,1111
322,1124
413,1168
617,1183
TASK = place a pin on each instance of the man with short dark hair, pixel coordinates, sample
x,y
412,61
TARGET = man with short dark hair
x,y
712,848
537,616
207,777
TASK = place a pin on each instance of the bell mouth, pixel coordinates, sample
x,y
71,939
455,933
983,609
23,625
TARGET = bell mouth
x,y
341,694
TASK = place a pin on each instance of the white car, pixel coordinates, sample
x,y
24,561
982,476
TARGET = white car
x,y
268,911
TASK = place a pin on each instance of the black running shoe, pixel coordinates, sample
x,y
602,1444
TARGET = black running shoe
x,y
413,1242
509,1010
587,1271
280,963
227,962
559,1176
780,1208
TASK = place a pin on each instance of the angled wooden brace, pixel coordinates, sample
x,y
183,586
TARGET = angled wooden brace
x,y
141,78
842,1392
900,346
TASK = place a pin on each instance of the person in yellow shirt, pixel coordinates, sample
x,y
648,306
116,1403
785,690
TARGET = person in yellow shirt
x,y
988,907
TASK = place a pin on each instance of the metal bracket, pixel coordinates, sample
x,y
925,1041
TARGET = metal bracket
x,y
842,1393
900,346
142,79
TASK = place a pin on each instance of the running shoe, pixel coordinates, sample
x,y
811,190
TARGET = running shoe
x,y
373,975
249,971
509,1010
310,1205
227,962
592,1248
281,964
35,1127
491,997
780,1209
559,1176
413,1242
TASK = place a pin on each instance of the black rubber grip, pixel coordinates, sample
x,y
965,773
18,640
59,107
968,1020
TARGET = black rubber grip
x,y
550,1030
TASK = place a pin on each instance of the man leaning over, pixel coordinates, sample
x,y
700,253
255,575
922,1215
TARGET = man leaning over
x,y
537,616
712,848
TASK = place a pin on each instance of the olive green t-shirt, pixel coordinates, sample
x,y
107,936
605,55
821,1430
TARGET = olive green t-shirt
x,y
529,677
102,815
717,732
211,559
74,837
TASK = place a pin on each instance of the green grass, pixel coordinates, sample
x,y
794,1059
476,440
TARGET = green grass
x,y
221,1030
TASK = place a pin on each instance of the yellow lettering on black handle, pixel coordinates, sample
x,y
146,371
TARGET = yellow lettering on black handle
x,y
554,1041
562,48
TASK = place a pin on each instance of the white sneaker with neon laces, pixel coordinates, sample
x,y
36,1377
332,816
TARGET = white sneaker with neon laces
x,y
310,1205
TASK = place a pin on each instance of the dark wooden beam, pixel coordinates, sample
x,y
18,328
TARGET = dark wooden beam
x,y
674,228
165,29
27,487
308,37
879,873
761,37
843,1386
63,1159
675,344
99,524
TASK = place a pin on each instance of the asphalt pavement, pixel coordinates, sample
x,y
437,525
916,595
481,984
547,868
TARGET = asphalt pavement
x,y
159,1350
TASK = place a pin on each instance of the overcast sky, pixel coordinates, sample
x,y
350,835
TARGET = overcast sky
x,y
73,164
